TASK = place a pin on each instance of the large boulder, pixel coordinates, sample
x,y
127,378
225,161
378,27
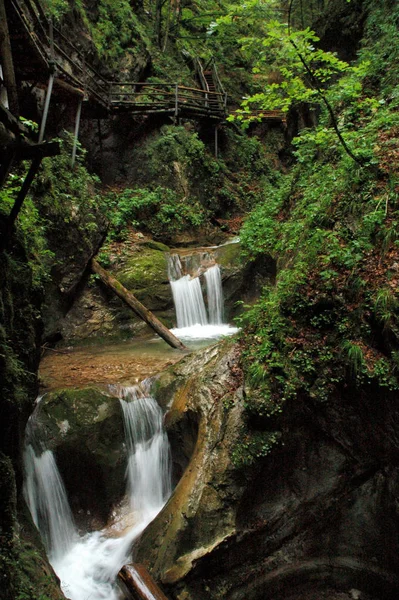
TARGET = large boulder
x,y
203,425
84,428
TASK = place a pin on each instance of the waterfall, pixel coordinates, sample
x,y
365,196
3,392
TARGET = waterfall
x,y
48,503
149,463
189,302
193,320
88,565
215,295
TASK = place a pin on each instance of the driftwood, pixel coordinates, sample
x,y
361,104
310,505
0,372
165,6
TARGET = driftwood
x,y
137,307
139,583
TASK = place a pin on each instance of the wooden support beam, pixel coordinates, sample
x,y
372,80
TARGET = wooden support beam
x,y
76,133
7,61
46,107
139,583
138,308
68,88
34,151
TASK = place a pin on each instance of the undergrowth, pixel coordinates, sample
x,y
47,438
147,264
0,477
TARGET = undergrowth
x,y
331,319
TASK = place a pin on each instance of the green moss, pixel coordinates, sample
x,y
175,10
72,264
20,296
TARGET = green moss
x,y
156,246
144,269
229,255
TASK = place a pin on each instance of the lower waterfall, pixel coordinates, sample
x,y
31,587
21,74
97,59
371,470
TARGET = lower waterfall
x,y
87,565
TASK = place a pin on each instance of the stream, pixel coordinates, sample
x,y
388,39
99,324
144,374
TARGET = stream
x,y
87,563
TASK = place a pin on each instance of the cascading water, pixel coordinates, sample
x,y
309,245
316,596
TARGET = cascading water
x,y
191,315
88,565
214,290
46,497
149,463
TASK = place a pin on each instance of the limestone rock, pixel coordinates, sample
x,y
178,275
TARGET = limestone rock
x,y
201,514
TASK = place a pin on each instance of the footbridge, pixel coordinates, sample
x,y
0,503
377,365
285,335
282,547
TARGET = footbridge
x,y
44,57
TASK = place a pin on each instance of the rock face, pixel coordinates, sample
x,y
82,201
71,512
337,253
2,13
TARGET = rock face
x,y
97,313
203,423
316,518
84,428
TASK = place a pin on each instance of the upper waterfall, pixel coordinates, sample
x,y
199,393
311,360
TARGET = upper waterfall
x,y
199,315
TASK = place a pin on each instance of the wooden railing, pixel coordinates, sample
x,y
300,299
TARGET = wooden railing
x,y
259,114
210,65
169,98
58,53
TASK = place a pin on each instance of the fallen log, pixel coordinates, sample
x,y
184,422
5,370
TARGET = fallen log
x,y
138,308
139,583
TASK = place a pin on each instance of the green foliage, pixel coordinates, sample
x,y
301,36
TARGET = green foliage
x,y
331,318
55,8
355,358
157,211
116,29
252,446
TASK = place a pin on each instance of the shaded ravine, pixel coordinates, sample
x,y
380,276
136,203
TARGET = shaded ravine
x,y
87,563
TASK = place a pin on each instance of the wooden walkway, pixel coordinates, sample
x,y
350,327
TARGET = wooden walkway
x,y
51,54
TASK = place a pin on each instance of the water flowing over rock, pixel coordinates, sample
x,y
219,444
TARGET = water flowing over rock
x,y
88,564
194,319
200,514
215,295
84,427
46,497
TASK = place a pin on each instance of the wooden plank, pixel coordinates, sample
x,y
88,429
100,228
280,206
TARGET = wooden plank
x,y
139,583
137,307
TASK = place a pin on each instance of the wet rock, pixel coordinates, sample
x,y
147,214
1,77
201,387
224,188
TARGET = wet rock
x,y
99,313
84,428
201,513
145,274
315,519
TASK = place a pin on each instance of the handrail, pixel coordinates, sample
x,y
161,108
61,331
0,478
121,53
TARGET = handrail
x,y
137,96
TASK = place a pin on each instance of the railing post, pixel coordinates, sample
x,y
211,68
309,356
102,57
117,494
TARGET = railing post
x,y
46,107
50,84
75,138
176,99
216,142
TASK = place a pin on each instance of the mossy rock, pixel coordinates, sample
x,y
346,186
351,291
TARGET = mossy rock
x,y
156,245
144,268
84,428
229,255
145,274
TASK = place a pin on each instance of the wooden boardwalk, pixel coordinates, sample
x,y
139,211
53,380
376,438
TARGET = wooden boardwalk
x,y
51,54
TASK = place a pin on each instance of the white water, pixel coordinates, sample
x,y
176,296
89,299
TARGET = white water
x,y
189,302
88,565
214,290
192,318
46,497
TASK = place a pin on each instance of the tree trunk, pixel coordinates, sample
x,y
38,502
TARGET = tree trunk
x,y
7,62
139,583
137,307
